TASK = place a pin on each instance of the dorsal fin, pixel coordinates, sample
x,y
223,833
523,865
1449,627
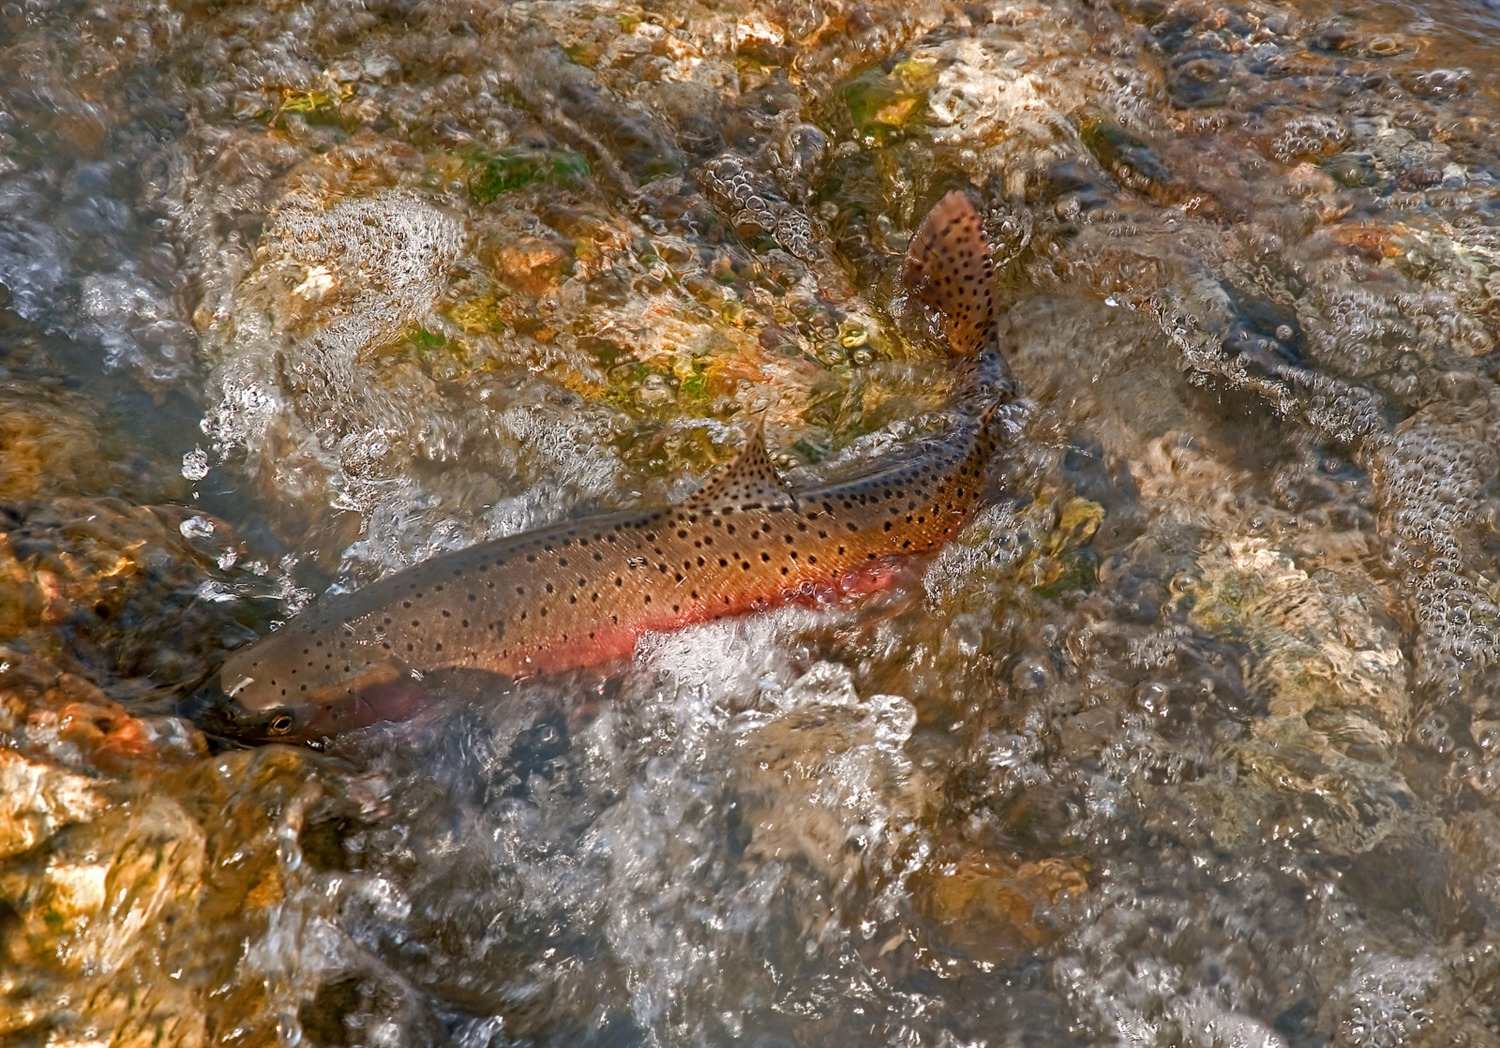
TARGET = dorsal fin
x,y
948,267
750,482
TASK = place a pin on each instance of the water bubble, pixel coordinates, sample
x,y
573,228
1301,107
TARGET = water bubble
x,y
1152,697
196,527
853,334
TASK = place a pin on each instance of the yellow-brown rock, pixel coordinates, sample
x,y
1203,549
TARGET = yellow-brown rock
x,y
37,799
989,905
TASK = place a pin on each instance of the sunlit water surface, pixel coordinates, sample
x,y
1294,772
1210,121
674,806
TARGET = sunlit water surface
x,y
1192,737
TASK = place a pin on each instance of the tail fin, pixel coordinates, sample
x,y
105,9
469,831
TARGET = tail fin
x,y
948,267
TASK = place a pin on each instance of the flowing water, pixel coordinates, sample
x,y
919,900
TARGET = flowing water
x,y
1191,738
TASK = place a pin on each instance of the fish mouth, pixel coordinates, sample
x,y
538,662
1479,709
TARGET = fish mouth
x,y
229,723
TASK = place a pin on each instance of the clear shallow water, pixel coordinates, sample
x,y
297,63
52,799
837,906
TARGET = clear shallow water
x,y
1189,739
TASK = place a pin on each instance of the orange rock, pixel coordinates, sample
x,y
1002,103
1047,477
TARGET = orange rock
x,y
112,738
533,265
1370,242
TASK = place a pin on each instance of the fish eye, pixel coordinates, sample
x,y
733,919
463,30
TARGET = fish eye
x,y
280,724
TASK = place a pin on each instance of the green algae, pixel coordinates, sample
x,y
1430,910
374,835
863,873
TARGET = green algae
x,y
513,170
886,103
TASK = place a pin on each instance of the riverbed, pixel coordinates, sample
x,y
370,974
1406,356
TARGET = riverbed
x,y
1190,738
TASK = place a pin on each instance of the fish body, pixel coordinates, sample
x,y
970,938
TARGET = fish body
x,y
582,591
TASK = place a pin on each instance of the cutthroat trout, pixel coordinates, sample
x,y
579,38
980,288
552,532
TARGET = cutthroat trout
x,y
583,591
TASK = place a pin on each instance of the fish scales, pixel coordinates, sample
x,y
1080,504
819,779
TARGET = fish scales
x,y
583,591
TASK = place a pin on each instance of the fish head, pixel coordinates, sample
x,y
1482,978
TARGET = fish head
x,y
220,715
266,693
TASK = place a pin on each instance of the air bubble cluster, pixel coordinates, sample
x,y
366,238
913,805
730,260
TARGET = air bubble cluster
x,y
1311,136
333,286
754,206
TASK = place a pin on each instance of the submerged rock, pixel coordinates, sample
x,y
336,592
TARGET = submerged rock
x,y
39,799
90,584
990,907
84,914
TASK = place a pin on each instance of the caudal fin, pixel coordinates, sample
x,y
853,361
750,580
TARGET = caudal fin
x,y
948,267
